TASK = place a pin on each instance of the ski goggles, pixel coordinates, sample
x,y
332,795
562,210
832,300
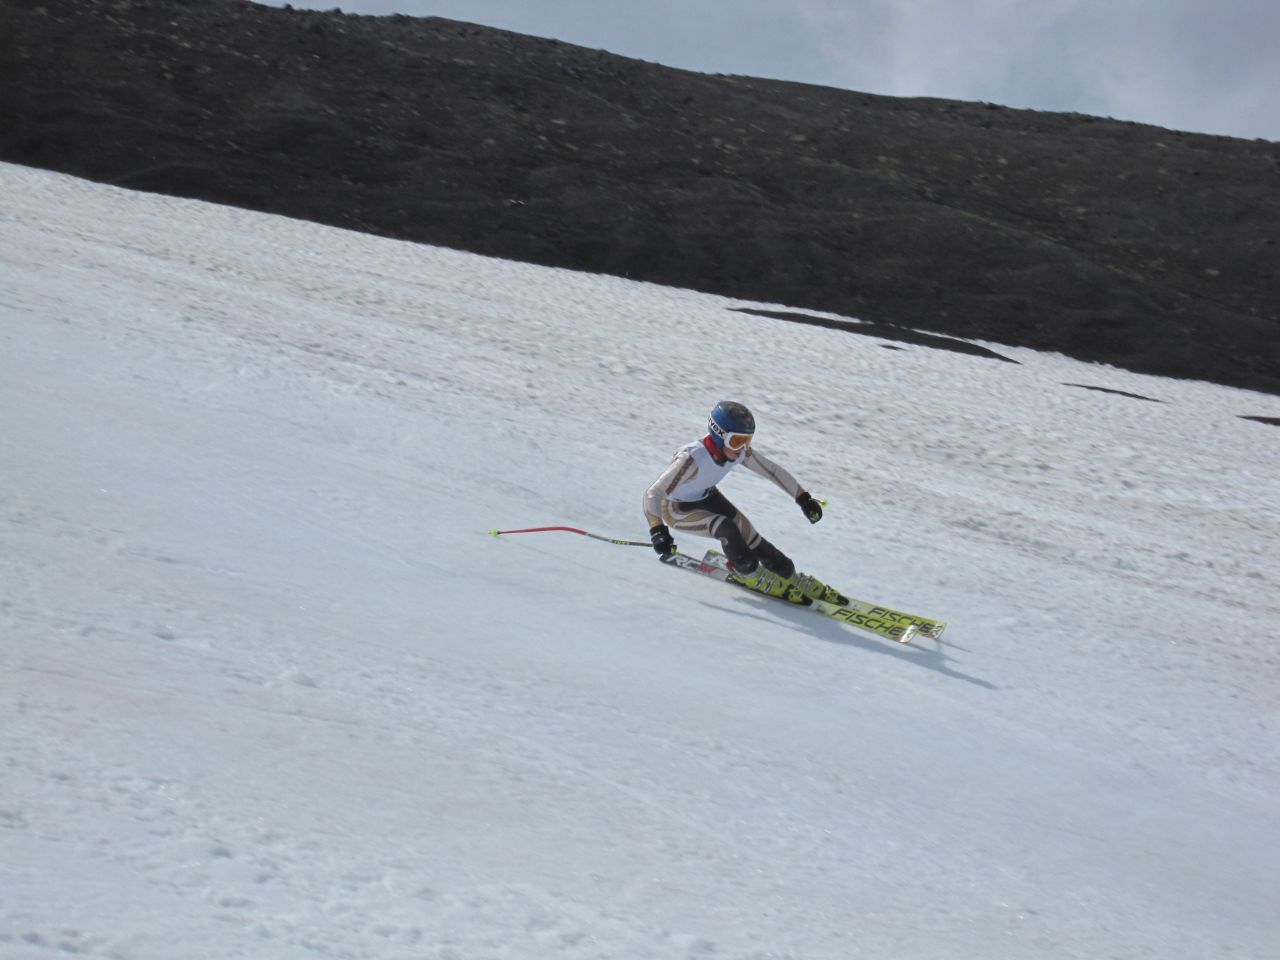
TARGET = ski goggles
x,y
737,441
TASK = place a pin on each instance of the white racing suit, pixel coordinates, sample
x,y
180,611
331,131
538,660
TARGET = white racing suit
x,y
685,498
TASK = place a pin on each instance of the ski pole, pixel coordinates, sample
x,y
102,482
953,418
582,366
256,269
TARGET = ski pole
x,y
593,536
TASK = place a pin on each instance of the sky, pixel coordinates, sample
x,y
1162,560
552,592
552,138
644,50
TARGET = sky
x,y
1182,64
270,691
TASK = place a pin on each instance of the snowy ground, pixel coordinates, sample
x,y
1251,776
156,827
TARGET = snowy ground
x,y
267,690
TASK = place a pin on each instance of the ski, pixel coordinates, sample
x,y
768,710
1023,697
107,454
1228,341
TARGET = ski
x,y
876,618
864,615
706,568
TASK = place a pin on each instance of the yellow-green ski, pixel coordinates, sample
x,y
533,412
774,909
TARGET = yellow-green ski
x,y
871,617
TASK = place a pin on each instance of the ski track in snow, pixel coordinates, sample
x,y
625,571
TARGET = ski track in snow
x,y
268,690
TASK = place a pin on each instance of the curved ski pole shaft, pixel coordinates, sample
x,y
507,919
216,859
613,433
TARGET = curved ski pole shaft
x,y
593,536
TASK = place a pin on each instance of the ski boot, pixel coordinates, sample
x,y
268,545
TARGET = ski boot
x,y
815,589
763,580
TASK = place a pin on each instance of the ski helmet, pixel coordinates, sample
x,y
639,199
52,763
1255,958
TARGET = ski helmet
x,y
731,423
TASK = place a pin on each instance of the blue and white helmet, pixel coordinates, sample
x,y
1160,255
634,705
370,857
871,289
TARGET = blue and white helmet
x,y
731,424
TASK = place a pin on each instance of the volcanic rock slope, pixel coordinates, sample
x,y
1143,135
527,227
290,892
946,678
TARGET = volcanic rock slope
x,y
1116,242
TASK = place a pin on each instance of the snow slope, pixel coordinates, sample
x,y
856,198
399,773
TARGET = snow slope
x,y
269,691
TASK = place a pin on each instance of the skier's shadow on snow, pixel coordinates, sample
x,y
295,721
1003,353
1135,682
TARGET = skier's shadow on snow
x,y
932,658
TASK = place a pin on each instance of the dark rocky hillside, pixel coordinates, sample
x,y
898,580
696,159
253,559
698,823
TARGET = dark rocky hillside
x,y
1145,248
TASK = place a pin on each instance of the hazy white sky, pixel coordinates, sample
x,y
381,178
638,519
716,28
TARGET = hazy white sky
x,y
1210,66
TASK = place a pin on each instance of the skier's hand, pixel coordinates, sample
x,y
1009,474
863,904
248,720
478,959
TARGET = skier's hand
x,y
811,507
663,545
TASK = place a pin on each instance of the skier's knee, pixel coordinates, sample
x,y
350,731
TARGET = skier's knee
x,y
741,556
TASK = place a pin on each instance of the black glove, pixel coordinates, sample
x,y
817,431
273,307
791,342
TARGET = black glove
x,y
663,545
811,507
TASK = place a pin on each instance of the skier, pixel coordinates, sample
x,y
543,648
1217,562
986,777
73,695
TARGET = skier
x,y
686,497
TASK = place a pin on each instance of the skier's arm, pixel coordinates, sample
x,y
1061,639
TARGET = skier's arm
x,y
767,468
757,462
682,469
